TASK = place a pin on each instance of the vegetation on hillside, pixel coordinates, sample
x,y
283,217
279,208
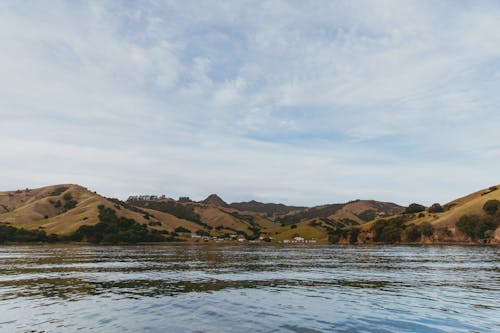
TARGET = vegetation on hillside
x,y
414,208
68,202
113,229
472,218
269,209
481,228
435,208
58,191
389,230
476,227
492,207
416,232
253,228
181,211
20,235
182,230
322,211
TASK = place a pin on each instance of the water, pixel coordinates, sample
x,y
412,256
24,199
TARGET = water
x,y
217,288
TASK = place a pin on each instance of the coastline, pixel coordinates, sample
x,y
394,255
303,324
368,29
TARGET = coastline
x,y
320,244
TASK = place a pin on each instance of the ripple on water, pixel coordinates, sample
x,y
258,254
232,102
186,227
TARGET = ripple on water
x,y
249,288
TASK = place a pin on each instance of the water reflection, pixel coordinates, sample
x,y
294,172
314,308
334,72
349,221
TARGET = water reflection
x,y
250,288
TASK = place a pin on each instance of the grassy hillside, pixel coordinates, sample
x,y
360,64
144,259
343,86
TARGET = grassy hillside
x,y
445,224
354,212
267,209
65,209
62,209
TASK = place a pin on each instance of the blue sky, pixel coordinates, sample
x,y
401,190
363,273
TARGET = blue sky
x,y
290,101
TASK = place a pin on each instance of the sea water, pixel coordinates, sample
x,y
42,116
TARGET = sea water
x,y
239,288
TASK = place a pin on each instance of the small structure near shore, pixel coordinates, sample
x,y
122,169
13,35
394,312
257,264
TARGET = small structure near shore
x,y
299,240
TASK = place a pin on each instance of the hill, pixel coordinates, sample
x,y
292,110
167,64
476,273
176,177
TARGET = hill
x,y
58,209
268,209
215,200
464,220
352,213
72,212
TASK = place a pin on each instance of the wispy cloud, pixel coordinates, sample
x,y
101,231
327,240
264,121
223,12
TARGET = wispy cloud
x,y
299,102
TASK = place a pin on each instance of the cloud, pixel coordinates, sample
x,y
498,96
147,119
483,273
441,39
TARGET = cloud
x,y
304,103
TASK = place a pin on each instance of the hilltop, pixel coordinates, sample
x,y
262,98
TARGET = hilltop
x,y
474,219
268,209
215,200
72,212
58,209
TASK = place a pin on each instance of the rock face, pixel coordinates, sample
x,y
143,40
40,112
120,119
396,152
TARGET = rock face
x,y
215,200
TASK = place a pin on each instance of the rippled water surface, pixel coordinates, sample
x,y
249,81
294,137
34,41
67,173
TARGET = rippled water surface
x,y
217,288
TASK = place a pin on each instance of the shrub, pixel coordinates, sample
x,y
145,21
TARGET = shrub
x,y
154,223
414,208
388,231
475,227
491,189
12,234
335,235
427,229
492,207
413,233
368,215
353,237
182,229
58,191
444,232
202,233
315,223
69,205
435,208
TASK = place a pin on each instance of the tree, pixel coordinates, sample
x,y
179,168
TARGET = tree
x,y
388,231
114,229
492,207
427,229
182,229
414,208
435,208
413,233
353,237
475,227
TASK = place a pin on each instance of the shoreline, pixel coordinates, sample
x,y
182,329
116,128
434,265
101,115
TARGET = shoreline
x,y
251,244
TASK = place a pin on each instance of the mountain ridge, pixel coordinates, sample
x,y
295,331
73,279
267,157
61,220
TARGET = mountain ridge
x,y
65,209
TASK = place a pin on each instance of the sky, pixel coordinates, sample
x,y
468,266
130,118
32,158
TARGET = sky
x,y
300,102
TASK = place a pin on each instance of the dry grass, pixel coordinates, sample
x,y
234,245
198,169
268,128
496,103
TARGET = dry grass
x,y
35,209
